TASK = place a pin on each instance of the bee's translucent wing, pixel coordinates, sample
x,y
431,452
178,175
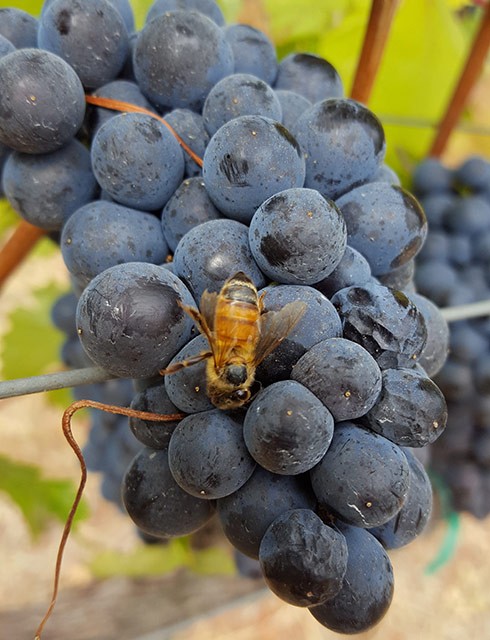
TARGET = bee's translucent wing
x,y
204,318
275,326
207,308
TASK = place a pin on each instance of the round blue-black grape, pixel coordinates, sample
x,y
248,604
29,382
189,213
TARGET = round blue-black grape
x,y
130,321
343,143
436,280
415,513
363,478
435,206
102,234
63,313
179,56
42,103
88,34
385,223
287,430
466,342
386,174
156,503
207,7
302,559
367,589
137,161
436,246
430,177
473,174
150,433
410,410
123,6
189,126
253,51
123,90
19,27
211,252
319,321
46,189
297,236
239,94
246,514
293,105
187,388
249,159
342,374
207,454
5,46
309,75
468,216
435,351
189,206
353,269
400,278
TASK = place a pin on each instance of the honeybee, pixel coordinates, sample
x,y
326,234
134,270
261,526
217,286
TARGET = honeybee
x,y
240,334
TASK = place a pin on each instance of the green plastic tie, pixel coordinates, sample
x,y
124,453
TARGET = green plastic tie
x,y
449,543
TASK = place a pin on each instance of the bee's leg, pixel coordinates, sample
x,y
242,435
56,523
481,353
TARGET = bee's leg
x,y
261,302
200,321
177,366
254,389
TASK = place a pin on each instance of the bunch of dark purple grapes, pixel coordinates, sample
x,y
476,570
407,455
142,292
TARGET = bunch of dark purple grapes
x,y
314,477
453,268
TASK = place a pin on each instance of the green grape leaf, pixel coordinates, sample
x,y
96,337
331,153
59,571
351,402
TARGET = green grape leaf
x,y
153,560
292,21
31,345
8,217
40,499
33,7
140,9
424,57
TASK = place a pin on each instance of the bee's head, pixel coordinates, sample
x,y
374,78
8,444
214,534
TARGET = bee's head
x,y
231,388
230,399
235,374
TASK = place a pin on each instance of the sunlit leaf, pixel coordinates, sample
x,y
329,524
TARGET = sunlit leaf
x,y
152,560
40,499
8,217
31,345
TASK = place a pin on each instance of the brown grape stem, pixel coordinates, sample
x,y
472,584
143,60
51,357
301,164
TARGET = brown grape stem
x,y
127,107
377,32
17,247
467,80
67,432
254,13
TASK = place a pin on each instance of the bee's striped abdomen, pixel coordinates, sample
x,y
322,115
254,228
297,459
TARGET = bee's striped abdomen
x,y
237,314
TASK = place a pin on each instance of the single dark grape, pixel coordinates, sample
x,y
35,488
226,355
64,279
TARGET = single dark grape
x,y
287,430
302,559
367,589
246,513
207,454
363,478
342,374
129,319
156,503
